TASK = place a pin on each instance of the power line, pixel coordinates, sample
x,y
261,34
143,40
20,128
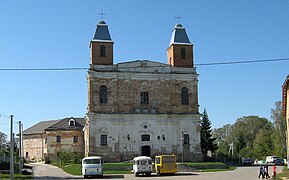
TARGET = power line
x,y
243,62
197,64
43,69
4,115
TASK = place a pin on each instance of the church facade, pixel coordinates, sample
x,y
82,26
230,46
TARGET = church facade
x,y
142,107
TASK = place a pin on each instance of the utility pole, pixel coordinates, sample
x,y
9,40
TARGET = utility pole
x,y
11,149
20,147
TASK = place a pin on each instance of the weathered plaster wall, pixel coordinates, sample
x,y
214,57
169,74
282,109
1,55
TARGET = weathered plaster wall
x,y
34,146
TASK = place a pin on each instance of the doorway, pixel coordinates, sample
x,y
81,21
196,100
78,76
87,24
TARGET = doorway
x,y
146,151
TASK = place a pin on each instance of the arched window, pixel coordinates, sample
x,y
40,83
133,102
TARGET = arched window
x,y
103,140
103,94
102,51
185,96
186,139
71,122
183,53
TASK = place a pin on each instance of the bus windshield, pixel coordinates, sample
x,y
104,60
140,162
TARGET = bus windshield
x,y
91,161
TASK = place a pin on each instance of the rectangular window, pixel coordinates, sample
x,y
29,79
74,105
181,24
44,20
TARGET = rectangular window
x,y
71,123
58,138
186,139
103,140
144,97
45,140
145,137
75,139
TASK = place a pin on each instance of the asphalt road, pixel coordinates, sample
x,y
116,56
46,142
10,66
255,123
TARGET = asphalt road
x,y
46,171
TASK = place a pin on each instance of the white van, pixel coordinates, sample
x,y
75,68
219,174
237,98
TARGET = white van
x,y
271,159
142,165
92,166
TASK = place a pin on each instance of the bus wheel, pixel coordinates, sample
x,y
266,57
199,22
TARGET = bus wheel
x,y
85,176
136,174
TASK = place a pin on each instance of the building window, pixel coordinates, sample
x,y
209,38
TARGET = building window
x,y
75,139
145,137
58,138
144,97
103,140
102,51
102,94
183,53
186,139
45,140
71,122
185,96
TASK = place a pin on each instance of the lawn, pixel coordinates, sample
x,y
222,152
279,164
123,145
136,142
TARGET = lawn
x,y
125,168
108,168
16,176
285,173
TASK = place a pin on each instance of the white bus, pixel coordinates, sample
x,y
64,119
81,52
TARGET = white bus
x,y
142,165
92,166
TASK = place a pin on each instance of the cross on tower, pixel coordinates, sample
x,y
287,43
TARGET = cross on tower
x,y
101,15
178,18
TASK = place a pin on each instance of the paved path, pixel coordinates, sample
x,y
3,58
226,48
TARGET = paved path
x,y
46,171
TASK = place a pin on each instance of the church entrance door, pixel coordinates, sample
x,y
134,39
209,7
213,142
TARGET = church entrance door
x,y
146,151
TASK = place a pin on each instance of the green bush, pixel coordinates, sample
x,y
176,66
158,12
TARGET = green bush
x,y
69,157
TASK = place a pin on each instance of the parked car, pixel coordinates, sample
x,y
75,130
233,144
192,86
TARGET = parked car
x,y
247,161
280,161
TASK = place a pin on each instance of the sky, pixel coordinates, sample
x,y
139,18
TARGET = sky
x,y
56,34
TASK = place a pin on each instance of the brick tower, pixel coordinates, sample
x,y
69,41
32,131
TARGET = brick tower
x,y
180,51
101,47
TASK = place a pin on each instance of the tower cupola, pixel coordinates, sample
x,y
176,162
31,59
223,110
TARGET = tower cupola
x,y
180,51
101,47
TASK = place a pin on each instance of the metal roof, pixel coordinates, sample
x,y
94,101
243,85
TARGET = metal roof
x,y
40,127
63,124
60,124
179,36
102,32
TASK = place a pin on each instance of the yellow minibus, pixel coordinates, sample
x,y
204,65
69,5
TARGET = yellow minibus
x,y
166,164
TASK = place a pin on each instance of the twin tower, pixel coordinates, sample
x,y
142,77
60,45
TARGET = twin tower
x,y
180,50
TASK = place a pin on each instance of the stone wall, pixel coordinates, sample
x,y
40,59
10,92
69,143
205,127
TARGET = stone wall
x,y
124,94
66,142
34,146
124,119
124,132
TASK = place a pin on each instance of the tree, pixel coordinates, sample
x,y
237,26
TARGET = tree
x,y
3,140
263,144
280,129
240,144
244,133
221,134
207,141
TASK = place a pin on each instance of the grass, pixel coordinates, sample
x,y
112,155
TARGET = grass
x,y
108,168
209,166
125,168
284,174
16,176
